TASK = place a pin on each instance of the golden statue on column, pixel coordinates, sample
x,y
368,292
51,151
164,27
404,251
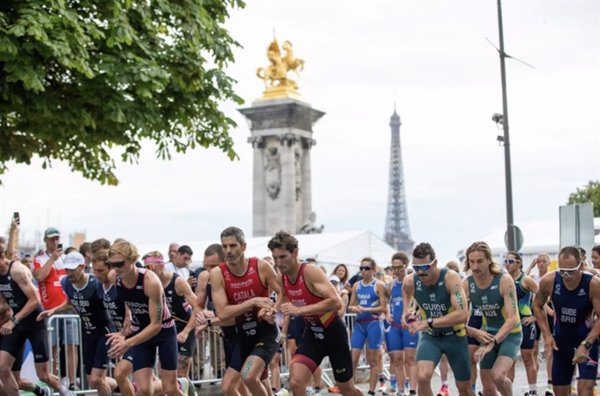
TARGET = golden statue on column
x,y
277,83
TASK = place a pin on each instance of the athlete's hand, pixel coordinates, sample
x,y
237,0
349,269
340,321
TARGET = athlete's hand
x,y
526,321
482,336
44,314
118,345
200,329
482,350
355,308
416,326
262,302
268,315
582,355
203,316
289,309
549,346
7,328
389,318
408,318
182,336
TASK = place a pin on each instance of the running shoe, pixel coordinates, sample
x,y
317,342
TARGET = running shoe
x,y
334,389
444,391
282,392
47,391
391,390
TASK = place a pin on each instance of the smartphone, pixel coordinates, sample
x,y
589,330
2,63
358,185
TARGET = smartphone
x,y
59,246
17,217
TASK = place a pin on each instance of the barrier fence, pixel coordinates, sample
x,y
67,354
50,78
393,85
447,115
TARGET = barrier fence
x,y
208,363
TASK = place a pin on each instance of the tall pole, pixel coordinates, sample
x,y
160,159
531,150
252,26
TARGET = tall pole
x,y
507,172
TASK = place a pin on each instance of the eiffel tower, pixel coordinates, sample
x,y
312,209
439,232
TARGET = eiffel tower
x,y
397,229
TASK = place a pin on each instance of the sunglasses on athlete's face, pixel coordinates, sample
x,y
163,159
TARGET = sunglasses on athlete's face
x,y
509,261
569,271
397,267
423,267
115,264
366,268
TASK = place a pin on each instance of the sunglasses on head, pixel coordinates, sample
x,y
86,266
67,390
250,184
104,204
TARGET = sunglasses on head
x,y
366,268
115,264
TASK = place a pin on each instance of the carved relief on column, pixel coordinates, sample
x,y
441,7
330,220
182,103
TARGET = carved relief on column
x,y
298,172
272,172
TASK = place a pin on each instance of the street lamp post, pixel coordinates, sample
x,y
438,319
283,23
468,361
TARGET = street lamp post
x,y
510,229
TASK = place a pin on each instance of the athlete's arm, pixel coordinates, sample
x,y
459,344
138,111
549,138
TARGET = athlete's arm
x,y
319,285
408,293
508,292
595,298
540,300
201,297
353,307
228,311
20,275
184,289
458,300
5,311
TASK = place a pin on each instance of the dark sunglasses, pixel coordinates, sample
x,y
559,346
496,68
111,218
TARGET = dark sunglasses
x,y
397,267
509,261
366,268
115,264
424,267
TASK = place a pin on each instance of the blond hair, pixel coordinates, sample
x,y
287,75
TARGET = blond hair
x,y
125,249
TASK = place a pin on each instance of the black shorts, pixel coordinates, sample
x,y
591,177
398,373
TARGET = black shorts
x,y
232,348
296,329
331,341
475,322
144,354
28,329
263,344
94,352
529,336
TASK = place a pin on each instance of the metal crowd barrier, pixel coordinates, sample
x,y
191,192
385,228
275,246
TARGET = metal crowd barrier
x,y
208,363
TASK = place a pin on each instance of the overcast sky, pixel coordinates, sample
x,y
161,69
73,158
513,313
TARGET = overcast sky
x,y
432,60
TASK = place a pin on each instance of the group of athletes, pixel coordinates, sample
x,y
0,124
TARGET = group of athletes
x,y
146,318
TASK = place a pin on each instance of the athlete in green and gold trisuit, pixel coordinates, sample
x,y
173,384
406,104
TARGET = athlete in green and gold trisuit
x,y
493,292
443,314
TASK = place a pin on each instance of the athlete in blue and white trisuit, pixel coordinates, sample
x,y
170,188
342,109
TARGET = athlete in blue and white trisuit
x,y
575,295
369,302
84,293
401,345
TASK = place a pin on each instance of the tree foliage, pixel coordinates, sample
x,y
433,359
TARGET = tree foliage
x,y
81,77
589,193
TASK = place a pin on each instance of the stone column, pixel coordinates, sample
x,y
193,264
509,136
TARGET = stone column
x,y
281,135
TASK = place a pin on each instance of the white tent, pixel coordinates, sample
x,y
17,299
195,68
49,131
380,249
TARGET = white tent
x,y
328,249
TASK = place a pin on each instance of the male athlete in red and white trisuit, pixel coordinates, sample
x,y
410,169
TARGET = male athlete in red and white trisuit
x,y
240,289
308,293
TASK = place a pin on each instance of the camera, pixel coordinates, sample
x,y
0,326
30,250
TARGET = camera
x,y
59,246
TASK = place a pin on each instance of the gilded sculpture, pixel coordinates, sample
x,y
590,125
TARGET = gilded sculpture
x,y
275,75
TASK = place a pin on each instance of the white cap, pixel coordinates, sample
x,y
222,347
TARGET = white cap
x,y
73,260
334,278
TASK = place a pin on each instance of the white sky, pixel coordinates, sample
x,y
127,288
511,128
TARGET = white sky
x,y
432,59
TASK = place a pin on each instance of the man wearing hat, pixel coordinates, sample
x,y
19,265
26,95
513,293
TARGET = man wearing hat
x,y
85,294
48,269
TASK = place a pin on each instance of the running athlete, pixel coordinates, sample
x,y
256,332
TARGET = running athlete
x,y
180,300
240,290
492,291
309,294
369,302
526,289
475,322
84,293
443,313
575,296
142,292
16,287
401,344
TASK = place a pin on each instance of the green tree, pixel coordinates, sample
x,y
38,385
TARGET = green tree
x,y
79,78
589,193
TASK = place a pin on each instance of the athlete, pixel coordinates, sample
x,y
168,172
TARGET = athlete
x,y
180,300
475,322
142,292
369,302
84,293
401,344
309,294
240,290
492,291
443,313
575,296
16,287
526,288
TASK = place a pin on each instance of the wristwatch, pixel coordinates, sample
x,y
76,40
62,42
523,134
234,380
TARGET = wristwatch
x,y
586,344
209,322
16,321
430,323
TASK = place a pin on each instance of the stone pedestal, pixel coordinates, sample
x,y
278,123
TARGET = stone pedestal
x,y
281,135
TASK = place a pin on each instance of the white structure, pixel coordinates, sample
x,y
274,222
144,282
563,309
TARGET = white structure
x,y
281,135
